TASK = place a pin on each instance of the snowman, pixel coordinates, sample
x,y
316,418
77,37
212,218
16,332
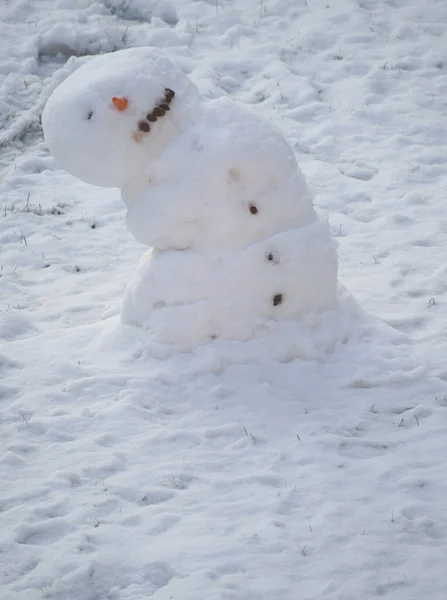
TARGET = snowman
x,y
213,190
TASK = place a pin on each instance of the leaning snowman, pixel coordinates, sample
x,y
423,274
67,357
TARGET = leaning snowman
x,y
213,190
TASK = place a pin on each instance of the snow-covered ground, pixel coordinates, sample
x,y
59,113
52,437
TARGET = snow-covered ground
x,y
292,470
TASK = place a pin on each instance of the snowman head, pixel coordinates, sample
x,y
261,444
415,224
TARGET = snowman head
x,y
108,120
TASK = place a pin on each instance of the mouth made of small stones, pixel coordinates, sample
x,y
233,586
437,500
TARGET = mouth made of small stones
x,y
159,111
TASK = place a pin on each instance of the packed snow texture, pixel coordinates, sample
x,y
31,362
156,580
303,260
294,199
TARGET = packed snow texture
x,y
307,464
211,187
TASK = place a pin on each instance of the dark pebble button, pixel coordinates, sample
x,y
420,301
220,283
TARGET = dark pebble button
x,y
277,299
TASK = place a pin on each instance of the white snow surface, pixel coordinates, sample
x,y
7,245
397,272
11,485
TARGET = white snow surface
x,y
306,464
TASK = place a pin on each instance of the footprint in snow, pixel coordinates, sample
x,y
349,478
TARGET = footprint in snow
x,y
360,449
44,532
359,171
16,325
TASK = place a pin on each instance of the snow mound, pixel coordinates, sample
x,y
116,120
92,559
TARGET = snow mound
x,y
188,298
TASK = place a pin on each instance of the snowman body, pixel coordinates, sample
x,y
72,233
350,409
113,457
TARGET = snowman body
x,y
187,295
213,190
229,180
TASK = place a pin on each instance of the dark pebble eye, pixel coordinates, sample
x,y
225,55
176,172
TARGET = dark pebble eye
x,y
277,299
253,209
158,111
143,126
151,117
89,115
270,256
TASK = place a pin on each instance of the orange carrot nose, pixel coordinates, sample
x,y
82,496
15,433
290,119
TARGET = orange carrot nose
x,y
120,103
